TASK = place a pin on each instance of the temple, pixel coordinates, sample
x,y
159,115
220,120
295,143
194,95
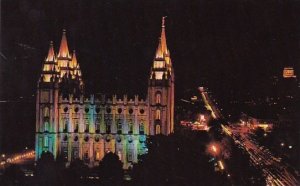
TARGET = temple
x,y
73,126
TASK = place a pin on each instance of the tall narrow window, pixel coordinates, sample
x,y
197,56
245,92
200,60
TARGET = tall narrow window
x,y
46,141
119,127
97,128
157,129
130,127
108,126
76,125
158,98
97,155
46,112
46,126
157,115
86,124
65,125
141,128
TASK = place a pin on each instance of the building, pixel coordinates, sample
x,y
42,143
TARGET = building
x,y
72,126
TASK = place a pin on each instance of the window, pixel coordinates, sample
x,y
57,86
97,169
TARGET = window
x,y
129,155
86,155
120,155
86,124
66,125
157,129
76,125
158,98
46,141
108,126
46,112
86,128
97,155
130,127
119,127
97,128
142,128
97,123
46,127
157,114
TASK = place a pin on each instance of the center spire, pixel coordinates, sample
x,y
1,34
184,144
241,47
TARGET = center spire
x,y
63,49
162,49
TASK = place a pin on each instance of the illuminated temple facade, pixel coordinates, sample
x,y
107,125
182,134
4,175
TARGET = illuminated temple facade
x,y
72,126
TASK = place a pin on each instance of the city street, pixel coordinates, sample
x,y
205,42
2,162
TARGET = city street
x,y
275,171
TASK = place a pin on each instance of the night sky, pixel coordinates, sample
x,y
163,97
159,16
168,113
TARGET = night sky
x,y
233,44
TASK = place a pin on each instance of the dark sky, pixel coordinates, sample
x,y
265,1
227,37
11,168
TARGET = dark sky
x,y
234,44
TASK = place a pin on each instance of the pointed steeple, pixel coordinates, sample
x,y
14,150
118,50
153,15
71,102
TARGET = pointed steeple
x,y
162,49
74,63
51,55
63,49
163,39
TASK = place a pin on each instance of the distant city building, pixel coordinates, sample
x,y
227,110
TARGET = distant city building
x,y
288,72
72,126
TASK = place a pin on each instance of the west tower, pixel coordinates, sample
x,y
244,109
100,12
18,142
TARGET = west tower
x,y
161,89
47,106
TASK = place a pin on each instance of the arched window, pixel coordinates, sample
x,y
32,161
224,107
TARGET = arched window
x,y
158,98
157,114
142,128
157,129
46,112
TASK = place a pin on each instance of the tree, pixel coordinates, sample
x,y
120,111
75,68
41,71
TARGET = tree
x,y
111,169
47,171
13,175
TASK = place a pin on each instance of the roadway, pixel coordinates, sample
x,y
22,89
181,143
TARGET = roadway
x,y
276,172
23,158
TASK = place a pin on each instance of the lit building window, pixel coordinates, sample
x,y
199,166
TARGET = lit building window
x,y
119,126
86,155
142,128
120,155
130,155
76,125
46,112
158,98
157,114
46,141
86,124
97,155
46,127
108,126
157,129
65,125
130,127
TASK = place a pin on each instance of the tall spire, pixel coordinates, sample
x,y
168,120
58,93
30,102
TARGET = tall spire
x,y
64,50
163,39
74,60
162,49
51,55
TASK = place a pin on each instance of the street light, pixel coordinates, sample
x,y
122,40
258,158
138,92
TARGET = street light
x,y
282,144
3,155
